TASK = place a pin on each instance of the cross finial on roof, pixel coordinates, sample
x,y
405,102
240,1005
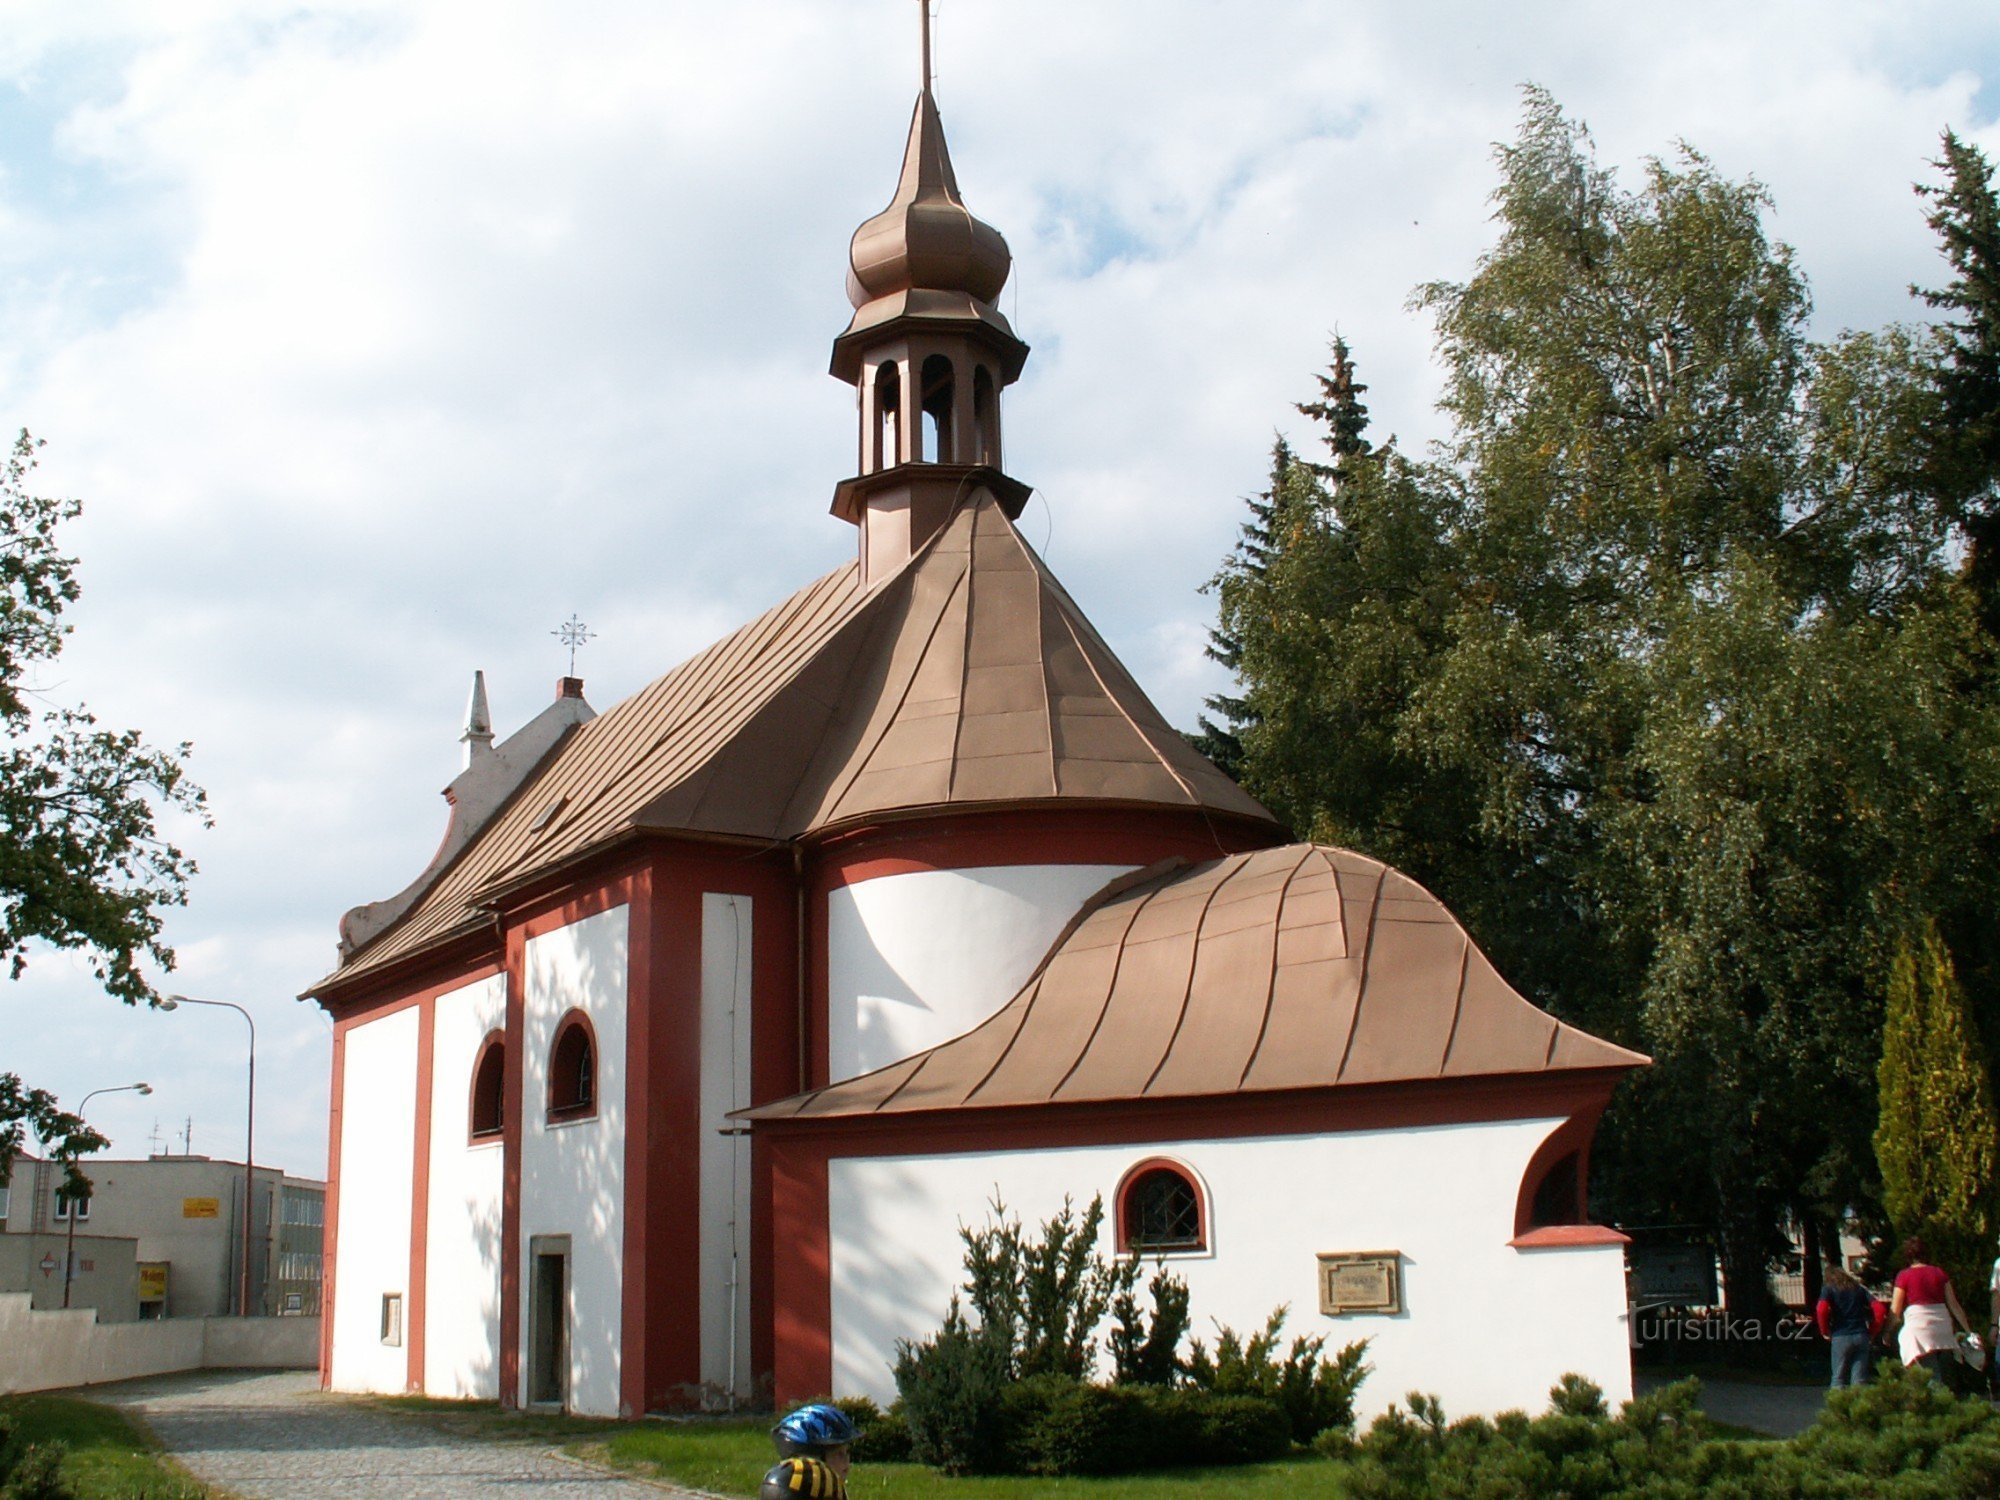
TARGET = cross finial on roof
x,y
924,30
573,633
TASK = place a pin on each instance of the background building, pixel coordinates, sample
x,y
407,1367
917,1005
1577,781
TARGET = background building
x,y
184,1217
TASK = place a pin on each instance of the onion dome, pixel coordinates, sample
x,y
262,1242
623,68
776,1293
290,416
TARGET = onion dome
x,y
926,238
925,261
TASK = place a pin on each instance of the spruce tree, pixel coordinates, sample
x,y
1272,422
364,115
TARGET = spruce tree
x,y
1966,464
1937,1139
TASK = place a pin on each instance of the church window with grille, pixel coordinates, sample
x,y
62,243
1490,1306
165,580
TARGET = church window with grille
x,y
1160,1210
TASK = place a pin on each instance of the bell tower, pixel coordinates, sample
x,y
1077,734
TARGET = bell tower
x,y
928,353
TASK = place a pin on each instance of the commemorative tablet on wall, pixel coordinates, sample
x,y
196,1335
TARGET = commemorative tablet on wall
x,y
1362,1281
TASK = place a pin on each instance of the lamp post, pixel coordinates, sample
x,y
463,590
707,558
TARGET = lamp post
x,y
76,1204
174,1002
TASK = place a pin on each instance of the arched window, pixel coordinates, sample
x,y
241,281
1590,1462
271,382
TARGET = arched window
x,y
1161,1210
936,386
985,419
489,1088
887,414
573,1069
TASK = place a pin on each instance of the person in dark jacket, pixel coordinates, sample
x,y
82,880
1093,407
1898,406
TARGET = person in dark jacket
x,y
1850,1319
813,1445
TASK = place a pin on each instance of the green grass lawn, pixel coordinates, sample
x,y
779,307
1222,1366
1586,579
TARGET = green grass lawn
x,y
729,1458
109,1457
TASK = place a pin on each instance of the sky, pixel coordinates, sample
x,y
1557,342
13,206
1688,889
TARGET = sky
x,y
377,339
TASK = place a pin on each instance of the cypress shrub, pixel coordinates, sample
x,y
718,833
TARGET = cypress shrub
x,y
1937,1136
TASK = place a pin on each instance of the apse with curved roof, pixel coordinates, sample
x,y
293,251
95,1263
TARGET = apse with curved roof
x,y
1298,967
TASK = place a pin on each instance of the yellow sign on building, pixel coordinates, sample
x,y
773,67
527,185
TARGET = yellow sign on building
x,y
201,1208
152,1281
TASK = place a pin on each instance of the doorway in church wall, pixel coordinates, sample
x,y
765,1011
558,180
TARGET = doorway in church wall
x,y
548,1320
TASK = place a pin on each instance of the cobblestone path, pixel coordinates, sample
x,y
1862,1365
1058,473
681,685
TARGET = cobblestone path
x,y
276,1436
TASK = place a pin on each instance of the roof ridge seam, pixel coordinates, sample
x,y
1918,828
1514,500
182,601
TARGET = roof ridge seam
x,y
805,769
1271,990
1458,1000
1186,786
1042,676
964,661
1034,993
1111,988
1361,984
1194,958
861,762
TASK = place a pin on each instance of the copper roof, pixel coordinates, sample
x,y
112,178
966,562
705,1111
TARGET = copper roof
x,y
1291,968
968,678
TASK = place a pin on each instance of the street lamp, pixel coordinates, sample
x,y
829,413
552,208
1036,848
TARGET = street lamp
x,y
76,1204
174,1002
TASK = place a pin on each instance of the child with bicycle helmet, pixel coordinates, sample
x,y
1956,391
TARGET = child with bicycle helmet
x,y
813,1458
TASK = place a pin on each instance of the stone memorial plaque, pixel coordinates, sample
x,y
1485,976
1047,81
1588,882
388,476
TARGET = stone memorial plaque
x,y
1361,1281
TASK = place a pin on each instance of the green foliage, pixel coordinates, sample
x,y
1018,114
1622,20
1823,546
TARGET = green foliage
x,y
1012,1393
1145,1349
1314,1393
84,865
1659,671
882,1437
1042,1298
950,1387
1902,1437
1938,1140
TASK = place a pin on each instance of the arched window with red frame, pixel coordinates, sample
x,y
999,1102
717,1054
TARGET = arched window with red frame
x,y
573,1069
1161,1210
489,1088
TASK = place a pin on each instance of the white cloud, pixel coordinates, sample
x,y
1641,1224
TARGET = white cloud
x,y
379,337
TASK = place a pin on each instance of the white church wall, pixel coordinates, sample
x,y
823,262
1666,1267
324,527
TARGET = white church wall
x,y
378,1122
917,959
1485,1326
462,1233
573,1171
725,1157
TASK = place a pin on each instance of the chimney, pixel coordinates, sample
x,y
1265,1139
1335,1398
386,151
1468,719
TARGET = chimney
x,y
569,687
478,736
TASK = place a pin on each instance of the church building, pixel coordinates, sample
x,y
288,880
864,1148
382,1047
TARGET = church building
x,y
669,1083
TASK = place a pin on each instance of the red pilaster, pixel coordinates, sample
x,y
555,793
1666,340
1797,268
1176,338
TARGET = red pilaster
x,y
418,1301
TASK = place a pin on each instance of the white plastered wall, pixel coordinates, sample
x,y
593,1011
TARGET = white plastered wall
x,y
378,1123
725,1147
573,1172
1485,1327
917,959
462,1234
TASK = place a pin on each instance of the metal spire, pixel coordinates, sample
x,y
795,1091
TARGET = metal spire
x,y
924,8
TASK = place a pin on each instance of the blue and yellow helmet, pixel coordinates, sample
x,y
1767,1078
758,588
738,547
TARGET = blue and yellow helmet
x,y
811,1430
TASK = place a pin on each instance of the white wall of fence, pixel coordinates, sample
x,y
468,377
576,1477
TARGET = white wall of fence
x,y
53,1350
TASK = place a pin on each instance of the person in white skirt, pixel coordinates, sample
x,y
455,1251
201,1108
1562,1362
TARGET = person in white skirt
x,y
1927,1312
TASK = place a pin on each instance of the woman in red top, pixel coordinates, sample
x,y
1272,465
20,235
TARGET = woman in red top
x,y
1927,1307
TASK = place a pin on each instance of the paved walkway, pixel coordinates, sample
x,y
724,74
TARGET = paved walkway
x,y
276,1436
1781,1410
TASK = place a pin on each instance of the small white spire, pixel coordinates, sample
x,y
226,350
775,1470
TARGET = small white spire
x,y
478,736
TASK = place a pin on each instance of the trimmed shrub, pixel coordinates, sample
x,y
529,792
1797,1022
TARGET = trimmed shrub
x,y
951,1386
881,1437
1314,1393
1902,1435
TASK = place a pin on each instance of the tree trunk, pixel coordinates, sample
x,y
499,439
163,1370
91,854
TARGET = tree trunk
x,y
1814,1234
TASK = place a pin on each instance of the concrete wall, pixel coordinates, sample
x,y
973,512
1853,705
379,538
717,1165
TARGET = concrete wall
x,y
917,959
378,1121
462,1239
1485,1326
573,1171
46,1351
